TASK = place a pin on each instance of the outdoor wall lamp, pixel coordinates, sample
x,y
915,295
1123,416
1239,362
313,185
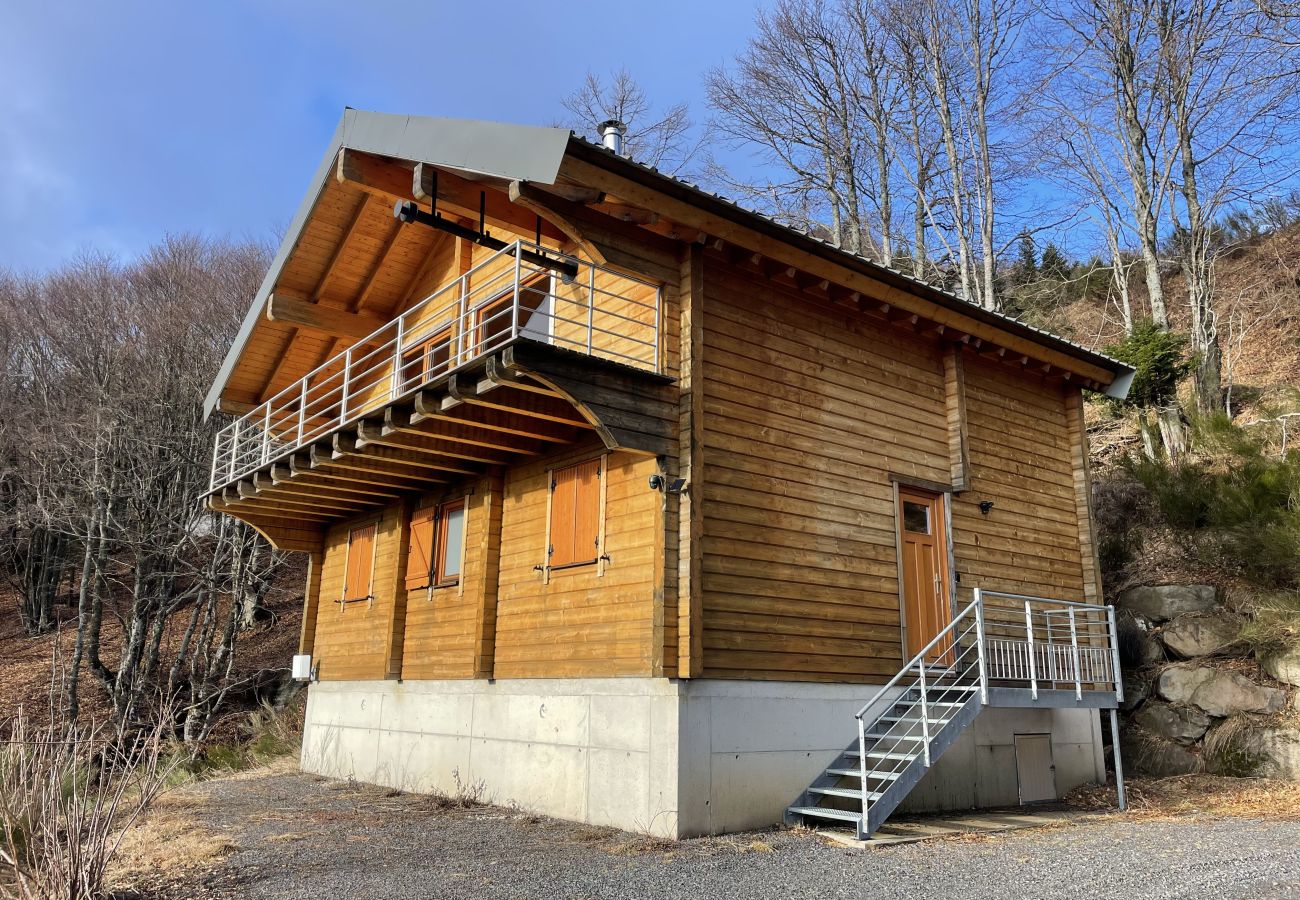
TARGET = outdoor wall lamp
x,y
670,486
985,506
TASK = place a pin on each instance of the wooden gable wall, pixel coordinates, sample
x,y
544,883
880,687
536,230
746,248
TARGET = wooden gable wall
x,y
810,412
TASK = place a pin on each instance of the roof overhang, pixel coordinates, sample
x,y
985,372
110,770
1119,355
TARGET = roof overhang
x,y
493,149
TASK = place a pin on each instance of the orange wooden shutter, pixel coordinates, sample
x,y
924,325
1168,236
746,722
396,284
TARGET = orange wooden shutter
x,y
563,509
361,563
419,559
575,514
586,521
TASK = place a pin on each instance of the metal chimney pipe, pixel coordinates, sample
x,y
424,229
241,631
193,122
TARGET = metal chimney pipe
x,y
612,133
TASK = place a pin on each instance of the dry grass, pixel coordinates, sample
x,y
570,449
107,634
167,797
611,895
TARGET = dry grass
x,y
169,841
1196,796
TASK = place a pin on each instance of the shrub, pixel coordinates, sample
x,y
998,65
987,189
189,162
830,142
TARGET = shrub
x,y
1160,359
1236,505
68,793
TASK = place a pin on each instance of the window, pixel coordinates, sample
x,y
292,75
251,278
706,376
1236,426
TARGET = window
x,y
493,319
426,360
575,515
437,546
360,572
916,517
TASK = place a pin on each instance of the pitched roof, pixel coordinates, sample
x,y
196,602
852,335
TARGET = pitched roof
x,y
536,154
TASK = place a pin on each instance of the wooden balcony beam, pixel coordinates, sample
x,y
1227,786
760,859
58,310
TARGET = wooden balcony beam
x,y
402,419
428,405
292,475
373,433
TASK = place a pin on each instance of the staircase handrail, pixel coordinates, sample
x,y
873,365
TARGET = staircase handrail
x,y
974,605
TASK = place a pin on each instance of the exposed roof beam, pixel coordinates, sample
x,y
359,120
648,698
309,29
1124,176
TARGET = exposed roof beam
x,y
284,307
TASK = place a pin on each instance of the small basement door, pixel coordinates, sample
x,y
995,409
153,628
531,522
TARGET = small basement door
x,y
923,548
1035,772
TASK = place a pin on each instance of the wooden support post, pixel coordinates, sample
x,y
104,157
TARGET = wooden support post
x,y
1078,435
488,505
690,559
397,622
311,602
954,389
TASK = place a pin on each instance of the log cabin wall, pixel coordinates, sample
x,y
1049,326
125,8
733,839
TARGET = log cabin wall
x,y
810,411
352,640
588,621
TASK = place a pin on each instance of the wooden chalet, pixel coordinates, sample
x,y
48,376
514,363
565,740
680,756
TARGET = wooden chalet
x,y
643,509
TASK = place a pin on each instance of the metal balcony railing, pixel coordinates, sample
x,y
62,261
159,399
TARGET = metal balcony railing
x,y
572,304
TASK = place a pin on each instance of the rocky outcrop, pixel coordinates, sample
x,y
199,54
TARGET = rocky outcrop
x,y
1180,724
1152,755
1207,711
1162,602
1274,752
1192,636
1217,691
1285,667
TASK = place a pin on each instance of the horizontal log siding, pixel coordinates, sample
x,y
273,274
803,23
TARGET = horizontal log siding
x,y
351,641
579,624
444,625
809,409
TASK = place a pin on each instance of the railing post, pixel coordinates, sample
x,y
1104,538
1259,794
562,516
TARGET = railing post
x,y
862,765
302,412
1029,635
266,434
1114,655
1074,650
234,449
591,306
216,455
979,647
397,357
925,711
347,384
659,292
514,309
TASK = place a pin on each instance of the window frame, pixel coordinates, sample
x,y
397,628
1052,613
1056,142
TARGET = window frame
x,y
436,576
416,359
552,481
483,314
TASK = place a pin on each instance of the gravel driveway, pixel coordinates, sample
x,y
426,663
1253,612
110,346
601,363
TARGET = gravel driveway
x,y
302,837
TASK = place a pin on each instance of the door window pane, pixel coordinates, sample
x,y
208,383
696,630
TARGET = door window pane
x,y
916,517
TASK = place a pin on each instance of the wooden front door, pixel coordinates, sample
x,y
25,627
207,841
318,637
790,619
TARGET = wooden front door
x,y
927,609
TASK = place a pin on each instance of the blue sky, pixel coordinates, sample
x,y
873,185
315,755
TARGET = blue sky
x,y
122,121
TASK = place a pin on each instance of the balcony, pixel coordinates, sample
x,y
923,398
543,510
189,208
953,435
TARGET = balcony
x,y
544,328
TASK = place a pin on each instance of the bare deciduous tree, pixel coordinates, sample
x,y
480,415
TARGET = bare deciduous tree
x,y
663,138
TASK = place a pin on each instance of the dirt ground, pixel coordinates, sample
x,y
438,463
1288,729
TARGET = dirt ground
x,y
275,833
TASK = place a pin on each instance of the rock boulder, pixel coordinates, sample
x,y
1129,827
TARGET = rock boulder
x,y
1275,751
1284,667
1162,602
1218,691
1146,754
1192,635
1180,724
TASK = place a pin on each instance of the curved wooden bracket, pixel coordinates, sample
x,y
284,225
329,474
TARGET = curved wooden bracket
x,y
282,534
629,409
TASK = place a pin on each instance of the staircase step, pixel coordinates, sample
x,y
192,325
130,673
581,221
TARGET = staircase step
x,y
851,793
857,773
871,755
840,815
916,719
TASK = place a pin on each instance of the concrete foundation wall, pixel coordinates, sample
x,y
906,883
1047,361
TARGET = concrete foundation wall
x,y
674,758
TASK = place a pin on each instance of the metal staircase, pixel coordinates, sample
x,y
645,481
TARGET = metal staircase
x,y
1067,649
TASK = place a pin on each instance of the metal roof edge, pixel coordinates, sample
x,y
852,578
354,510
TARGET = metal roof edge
x,y
694,194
